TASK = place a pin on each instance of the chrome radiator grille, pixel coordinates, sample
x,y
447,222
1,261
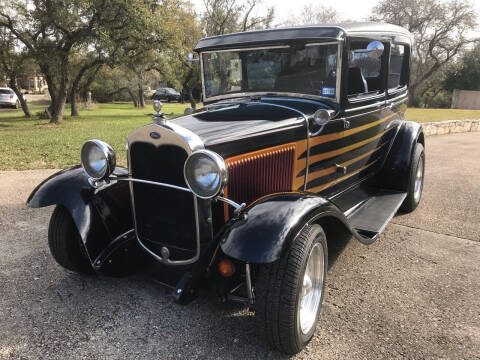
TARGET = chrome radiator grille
x,y
163,216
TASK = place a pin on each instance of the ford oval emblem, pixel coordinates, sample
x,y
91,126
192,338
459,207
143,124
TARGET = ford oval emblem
x,y
154,135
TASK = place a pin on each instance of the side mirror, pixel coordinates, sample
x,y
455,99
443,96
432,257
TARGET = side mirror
x,y
188,111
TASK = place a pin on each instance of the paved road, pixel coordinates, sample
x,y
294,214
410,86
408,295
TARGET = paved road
x,y
415,293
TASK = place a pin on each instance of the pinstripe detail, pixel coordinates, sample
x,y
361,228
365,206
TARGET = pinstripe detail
x,y
333,153
338,135
332,169
340,179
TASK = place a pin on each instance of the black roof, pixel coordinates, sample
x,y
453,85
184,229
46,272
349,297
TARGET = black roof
x,y
312,32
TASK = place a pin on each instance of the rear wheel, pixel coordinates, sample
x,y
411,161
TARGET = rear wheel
x,y
289,292
65,243
415,187
17,105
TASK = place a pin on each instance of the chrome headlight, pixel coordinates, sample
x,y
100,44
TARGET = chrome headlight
x,y
98,159
205,173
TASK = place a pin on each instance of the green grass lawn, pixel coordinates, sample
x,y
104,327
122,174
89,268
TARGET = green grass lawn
x,y
431,115
34,143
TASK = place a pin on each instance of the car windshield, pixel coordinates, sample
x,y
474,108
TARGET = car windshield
x,y
5,91
171,91
308,69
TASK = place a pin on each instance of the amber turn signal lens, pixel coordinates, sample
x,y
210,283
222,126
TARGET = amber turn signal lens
x,y
226,267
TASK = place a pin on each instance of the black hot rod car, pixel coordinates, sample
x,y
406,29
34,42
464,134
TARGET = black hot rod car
x,y
302,135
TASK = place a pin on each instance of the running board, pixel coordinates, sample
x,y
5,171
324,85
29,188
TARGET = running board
x,y
370,217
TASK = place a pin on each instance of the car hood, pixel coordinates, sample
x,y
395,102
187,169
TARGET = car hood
x,y
249,119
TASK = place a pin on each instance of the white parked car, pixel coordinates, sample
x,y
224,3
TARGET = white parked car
x,y
9,98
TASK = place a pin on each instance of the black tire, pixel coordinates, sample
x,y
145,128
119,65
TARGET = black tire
x,y
65,242
418,159
277,289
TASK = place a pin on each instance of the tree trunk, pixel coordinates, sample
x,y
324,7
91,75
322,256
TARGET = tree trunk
x,y
58,107
14,87
58,95
193,103
411,96
141,96
132,96
73,102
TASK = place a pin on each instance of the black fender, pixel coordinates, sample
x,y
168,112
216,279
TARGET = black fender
x,y
266,228
395,174
103,216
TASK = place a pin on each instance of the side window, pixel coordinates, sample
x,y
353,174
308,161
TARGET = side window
x,y
365,68
397,72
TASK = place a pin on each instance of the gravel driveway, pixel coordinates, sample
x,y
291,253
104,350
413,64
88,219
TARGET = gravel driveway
x,y
414,293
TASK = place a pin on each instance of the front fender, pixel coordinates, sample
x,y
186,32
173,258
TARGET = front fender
x,y
69,188
101,215
262,232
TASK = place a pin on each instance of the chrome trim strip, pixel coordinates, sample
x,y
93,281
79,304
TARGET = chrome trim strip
x,y
364,113
154,183
230,202
398,99
321,43
268,93
359,99
339,71
397,90
221,198
370,106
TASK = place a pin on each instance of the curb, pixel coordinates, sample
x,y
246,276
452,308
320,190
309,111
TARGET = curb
x,y
451,127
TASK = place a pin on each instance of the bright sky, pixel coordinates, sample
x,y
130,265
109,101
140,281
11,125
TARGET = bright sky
x,y
348,9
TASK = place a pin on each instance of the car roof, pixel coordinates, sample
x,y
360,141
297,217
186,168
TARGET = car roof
x,y
311,32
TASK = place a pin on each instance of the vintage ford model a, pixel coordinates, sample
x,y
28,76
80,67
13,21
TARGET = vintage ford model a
x,y
302,136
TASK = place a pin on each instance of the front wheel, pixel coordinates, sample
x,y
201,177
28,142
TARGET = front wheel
x,y
289,292
65,243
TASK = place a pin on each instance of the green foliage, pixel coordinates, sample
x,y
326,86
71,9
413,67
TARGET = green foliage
x,y
441,30
465,74
229,16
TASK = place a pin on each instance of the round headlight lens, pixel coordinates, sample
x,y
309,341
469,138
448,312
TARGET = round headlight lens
x,y
98,159
205,174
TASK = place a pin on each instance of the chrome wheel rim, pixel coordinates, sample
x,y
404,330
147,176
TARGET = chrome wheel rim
x,y
312,288
418,181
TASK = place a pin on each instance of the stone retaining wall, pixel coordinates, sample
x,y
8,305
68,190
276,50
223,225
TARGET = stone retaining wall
x,y
451,127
